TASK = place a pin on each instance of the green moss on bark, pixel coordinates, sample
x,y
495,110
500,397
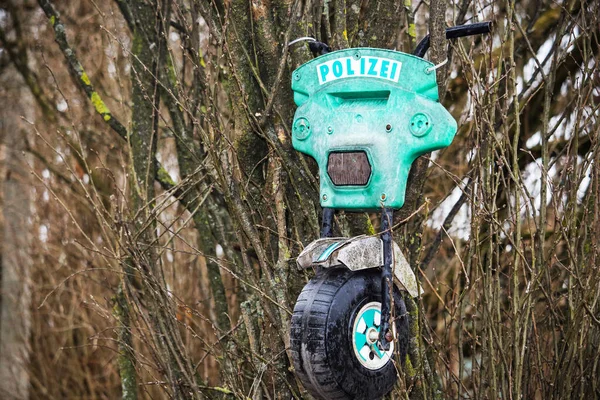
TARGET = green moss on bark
x,y
125,359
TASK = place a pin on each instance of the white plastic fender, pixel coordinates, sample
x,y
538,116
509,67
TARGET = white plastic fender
x,y
357,253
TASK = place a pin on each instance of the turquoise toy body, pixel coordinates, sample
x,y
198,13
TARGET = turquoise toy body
x,y
365,115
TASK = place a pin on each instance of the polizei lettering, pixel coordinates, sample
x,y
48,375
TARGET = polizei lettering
x,y
350,67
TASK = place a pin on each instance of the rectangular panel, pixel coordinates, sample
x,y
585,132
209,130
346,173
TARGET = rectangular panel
x,y
349,168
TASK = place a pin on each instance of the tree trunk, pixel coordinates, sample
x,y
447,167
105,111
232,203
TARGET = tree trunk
x,y
15,324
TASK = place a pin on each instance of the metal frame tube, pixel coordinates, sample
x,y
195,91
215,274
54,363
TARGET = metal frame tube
x,y
387,217
327,223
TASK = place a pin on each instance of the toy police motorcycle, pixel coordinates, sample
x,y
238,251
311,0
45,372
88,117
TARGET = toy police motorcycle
x,y
364,115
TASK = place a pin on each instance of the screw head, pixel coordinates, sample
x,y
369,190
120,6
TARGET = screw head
x,y
301,128
330,130
420,124
297,76
383,197
388,128
324,197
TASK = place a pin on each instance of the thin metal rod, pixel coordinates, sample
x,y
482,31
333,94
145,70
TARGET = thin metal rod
x,y
326,228
387,216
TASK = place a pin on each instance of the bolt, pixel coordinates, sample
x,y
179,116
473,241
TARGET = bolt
x,y
388,128
420,124
324,197
389,337
330,130
301,128
373,335
383,197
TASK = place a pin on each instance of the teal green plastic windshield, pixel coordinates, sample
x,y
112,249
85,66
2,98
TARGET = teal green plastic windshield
x,y
380,102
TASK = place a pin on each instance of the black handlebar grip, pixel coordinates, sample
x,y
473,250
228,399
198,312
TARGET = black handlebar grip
x,y
319,48
478,28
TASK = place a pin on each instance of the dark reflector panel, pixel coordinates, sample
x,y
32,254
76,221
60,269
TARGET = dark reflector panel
x,y
350,168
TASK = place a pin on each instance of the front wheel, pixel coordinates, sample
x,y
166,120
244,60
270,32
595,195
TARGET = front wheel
x,y
334,332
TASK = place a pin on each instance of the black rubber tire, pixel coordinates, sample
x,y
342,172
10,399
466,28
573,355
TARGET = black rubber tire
x,y
321,336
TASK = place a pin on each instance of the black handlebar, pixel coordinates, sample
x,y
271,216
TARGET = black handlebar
x,y
478,28
319,48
